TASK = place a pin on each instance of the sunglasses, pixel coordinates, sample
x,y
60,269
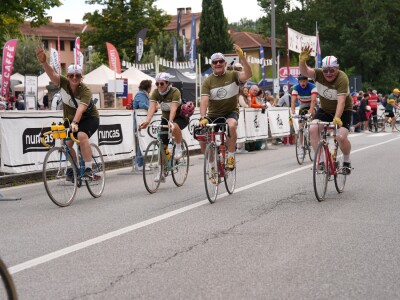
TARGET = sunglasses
x,y
160,83
326,71
216,62
78,76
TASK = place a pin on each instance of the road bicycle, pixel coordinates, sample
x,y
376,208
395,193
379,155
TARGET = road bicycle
x,y
215,171
328,163
62,175
158,162
384,122
303,143
7,287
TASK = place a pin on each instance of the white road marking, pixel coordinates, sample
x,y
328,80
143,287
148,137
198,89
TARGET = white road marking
x,y
68,250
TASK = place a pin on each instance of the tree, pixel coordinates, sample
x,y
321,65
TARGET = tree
x,y
213,33
25,58
14,13
119,22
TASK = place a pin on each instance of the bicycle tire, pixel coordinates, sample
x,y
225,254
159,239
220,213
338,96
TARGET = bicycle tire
x,y
397,122
300,148
211,179
310,149
56,182
381,123
152,165
320,172
8,283
180,167
340,177
230,179
96,185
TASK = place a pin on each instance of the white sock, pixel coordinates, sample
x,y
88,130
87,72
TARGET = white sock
x,y
346,158
178,146
230,154
88,165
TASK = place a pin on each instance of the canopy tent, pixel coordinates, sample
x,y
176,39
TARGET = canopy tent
x,y
185,81
16,79
134,77
292,80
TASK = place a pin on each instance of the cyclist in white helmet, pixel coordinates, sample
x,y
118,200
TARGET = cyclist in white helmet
x,y
336,102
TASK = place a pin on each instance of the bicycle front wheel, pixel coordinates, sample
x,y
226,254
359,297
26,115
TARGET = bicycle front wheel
x,y
340,177
96,185
59,176
309,146
230,179
7,288
300,146
152,167
320,172
211,180
381,123
180,167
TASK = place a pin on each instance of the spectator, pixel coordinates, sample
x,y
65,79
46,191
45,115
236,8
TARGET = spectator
x,y
362,114
284,100
243,97
46,101
254,92
373,103
141,101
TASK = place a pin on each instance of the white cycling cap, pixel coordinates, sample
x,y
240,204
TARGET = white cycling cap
x,y
74,69
163,76
330,61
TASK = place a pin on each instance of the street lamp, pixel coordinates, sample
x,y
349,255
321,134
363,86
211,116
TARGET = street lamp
x,y
90,49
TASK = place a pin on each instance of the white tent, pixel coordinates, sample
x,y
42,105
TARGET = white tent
x,y
135,76
43,81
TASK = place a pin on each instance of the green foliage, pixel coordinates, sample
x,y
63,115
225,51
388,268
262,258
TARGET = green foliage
x,y
25,61
213,33
13,13
247,25
363,34
118,24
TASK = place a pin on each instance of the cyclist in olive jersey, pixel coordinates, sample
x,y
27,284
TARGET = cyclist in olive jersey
x,y
336,102
219,94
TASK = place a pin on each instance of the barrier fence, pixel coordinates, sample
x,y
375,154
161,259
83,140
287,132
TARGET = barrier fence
x,y
21,150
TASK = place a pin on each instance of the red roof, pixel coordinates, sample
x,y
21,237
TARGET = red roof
x,y
53,30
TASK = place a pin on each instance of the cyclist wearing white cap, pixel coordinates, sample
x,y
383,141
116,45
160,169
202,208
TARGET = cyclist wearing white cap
x,y
336,102
219,94
78,108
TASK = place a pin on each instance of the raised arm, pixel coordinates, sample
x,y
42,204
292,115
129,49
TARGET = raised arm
x,y
303,57
41,56
246,73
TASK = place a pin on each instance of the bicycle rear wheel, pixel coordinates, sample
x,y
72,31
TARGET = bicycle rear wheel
x,y
59,176
340,177
309,147
180,167
320,172
300,147
211,180
96,185
397,123
230,179
152,166
7,287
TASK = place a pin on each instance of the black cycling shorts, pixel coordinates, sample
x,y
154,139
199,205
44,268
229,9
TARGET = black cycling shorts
x,y
182,123
328,117
87,125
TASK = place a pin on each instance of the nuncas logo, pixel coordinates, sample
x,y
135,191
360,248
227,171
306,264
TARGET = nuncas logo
x,y
110,134
31,140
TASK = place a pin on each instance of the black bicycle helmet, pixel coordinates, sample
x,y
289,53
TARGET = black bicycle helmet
x,y
301,77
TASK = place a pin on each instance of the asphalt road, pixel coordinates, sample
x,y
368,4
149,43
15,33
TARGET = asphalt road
x,y
271,239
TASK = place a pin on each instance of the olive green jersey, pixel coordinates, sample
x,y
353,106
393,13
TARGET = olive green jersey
x,y
83,95
329,91
222,92
173,96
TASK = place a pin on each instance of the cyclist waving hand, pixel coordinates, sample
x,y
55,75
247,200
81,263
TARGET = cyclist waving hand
x,y
336,103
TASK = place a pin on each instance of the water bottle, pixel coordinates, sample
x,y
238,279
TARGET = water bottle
x,y
54,129
167,153
62,132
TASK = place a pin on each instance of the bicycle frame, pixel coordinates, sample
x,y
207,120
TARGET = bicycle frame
x,y
221,145
330,157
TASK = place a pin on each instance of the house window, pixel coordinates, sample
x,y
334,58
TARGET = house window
x,y
72,45
62,47
45,44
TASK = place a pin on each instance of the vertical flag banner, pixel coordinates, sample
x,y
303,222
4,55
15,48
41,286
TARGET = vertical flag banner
x,y
54,60
140,44
184,46
58,49
318,57
10,47
192,51
77,50
175,45
113,58
262,62
178,22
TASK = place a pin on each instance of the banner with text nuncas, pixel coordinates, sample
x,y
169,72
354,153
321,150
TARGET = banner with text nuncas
x,y
7,65
113,58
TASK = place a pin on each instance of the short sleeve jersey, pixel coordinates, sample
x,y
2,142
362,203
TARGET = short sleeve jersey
x,y
389,107
304,95
173,96
83,95
329,91
222,92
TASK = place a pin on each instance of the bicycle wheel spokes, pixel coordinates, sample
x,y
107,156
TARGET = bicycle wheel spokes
x,y
152,167
300,147
96,185
397,122
59,176
7,287
211,179
230,179
309,147
180,167
340,177
320,172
